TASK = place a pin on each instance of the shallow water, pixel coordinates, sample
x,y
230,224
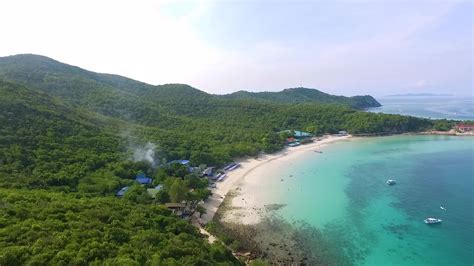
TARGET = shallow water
x,y
342,194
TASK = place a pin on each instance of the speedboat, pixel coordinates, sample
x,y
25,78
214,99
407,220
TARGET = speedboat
x,y
432,221
442,208
391,182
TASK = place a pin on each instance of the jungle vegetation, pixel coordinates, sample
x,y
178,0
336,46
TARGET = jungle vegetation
x,y
67,138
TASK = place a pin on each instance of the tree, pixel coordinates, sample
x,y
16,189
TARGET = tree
x,y
177,191
201,210
162,197
137,194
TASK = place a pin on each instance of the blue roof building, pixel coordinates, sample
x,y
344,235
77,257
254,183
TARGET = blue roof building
x,y
122,191
142,179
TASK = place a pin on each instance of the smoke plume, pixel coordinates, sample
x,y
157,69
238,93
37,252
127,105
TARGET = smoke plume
x,y
145,153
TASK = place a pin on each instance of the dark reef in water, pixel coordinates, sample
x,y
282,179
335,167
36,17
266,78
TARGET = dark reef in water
x,y
298,243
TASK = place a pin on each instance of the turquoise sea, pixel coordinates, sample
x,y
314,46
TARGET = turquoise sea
x,y
449,107
342,194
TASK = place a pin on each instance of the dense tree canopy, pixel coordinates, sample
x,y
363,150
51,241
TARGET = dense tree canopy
x,y
67,139
44,228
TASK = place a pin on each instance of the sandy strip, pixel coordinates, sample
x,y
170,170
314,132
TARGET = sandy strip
x,y
243,174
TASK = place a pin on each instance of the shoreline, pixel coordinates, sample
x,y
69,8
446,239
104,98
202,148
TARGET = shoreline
x,y
237,177
247,166
246,222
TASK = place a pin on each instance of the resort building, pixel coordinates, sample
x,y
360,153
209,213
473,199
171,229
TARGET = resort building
x,y
342,133
465,128
302,134
292,142
297,134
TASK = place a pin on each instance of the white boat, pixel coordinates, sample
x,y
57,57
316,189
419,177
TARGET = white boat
x,y
442,208
233,167
391,182
432,221
221,177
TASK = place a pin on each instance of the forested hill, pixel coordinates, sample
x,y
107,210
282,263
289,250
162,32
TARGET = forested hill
x,y
63,80
304,95
68,138
183,121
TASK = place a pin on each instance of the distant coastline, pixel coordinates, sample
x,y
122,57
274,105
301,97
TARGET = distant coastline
x,y
421,95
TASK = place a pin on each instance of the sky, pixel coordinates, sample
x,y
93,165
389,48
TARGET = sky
x,y
340,47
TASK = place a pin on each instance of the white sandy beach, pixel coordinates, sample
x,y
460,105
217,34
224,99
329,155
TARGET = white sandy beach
x,y
247,208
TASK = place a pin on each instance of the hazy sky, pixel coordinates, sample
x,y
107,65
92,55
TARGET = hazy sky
x,y
341,47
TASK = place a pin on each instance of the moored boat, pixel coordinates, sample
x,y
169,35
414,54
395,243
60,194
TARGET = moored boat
x,y
432,221
221,177
234,167
391,182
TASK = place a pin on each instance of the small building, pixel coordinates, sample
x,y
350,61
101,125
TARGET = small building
x,y
302,134
296,133
207,171
142,179
292,142
182,162
464,128
122,192
176,207
342,133
196,170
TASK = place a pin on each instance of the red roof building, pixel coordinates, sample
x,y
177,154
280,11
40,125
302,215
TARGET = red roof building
x,y
464,127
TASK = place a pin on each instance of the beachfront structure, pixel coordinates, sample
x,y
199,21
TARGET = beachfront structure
x,y
302,134
207,171
342,133
292,142
122,192
142,179
464,128
297,134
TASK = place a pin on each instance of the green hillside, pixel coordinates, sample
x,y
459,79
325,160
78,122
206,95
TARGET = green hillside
x,y
67,143
305,95
183,121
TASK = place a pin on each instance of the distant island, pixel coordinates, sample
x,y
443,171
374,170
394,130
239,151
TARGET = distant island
x,y
420,95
